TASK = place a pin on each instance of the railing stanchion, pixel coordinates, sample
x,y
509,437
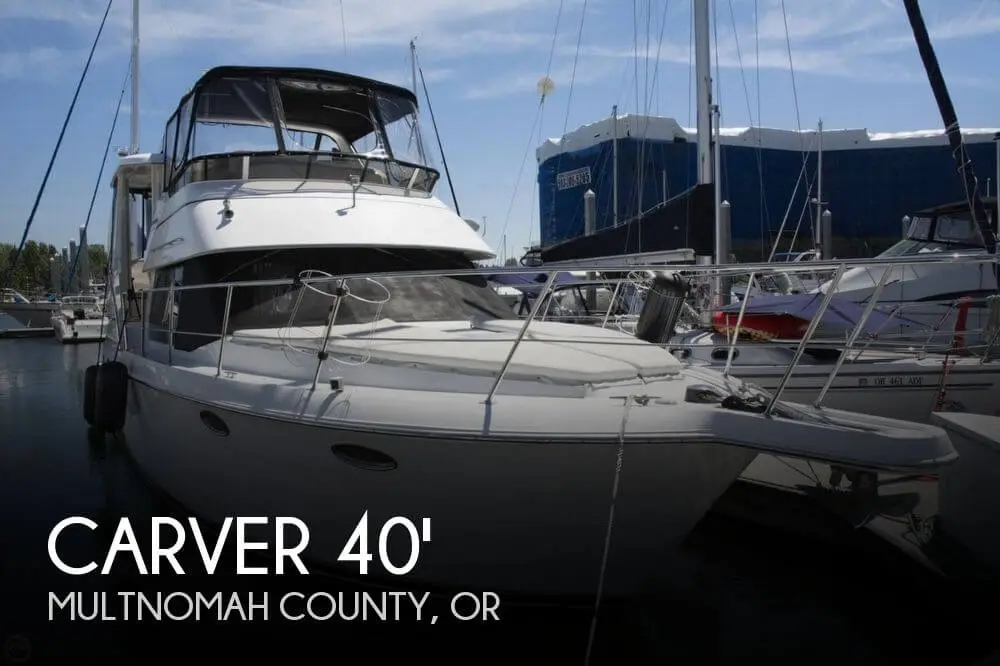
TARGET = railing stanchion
x,y
990,310
321,355
225,328
142,323
869,308
739,322
170,325
940,322
520,335
611,304
810,330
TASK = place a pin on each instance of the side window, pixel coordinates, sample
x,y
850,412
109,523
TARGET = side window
x,y
169,137
183,130
161,314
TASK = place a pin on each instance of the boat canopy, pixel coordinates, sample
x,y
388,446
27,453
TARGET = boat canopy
x,y
841,312
531,284
295,123
946,228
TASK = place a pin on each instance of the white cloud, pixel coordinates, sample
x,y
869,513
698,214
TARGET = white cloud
x,y
851,38
304,27
15,64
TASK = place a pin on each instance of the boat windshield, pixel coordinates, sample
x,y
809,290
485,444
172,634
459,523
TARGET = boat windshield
x,y
402,299
11,296
80,300
944,233
251,127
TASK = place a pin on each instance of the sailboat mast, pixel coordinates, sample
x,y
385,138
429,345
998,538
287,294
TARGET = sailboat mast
x,y
703,75
614,162
950,119
818,239
413,64
134,101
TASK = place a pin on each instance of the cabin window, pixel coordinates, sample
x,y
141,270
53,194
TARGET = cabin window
x,y
233,115
162,312
956,229
944,233
169,144
184,129
402,129
408,299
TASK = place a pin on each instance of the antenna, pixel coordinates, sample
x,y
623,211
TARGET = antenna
x,y
134,101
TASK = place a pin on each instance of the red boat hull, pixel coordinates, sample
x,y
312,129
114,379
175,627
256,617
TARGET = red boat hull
x,y
761,326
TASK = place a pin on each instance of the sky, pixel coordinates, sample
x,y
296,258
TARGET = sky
x,y
776,63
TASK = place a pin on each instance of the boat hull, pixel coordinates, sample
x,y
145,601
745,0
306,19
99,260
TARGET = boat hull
x,y
909,391
30,315
905,388
515,517
79,331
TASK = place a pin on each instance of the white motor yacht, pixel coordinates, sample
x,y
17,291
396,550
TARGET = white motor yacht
x,y
312,339
927,293
80,319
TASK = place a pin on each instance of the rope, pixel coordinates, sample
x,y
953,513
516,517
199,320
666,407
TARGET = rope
x,y
611,521
55,152
437,135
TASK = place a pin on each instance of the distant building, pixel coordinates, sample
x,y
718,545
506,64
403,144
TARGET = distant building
x,y
870,181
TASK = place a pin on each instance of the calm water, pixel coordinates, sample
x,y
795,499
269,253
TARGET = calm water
x,y
742,592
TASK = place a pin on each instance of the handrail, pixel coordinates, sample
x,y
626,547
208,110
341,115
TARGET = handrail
x,y
321,355
225,328
684,269
736,330
810,331
544,299
520,336
869,308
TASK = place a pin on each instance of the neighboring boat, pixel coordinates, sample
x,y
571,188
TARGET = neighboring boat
x,y
925,293
80,318
27,312
277,369
894,384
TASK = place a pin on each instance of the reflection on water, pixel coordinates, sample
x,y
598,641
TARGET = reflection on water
x,y
742,592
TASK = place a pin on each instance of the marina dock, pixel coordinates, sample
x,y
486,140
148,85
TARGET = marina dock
x,y
30,332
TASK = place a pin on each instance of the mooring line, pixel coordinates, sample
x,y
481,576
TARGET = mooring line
x,y
611,521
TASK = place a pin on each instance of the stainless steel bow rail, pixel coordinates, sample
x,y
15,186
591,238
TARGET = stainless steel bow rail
x,y
626,272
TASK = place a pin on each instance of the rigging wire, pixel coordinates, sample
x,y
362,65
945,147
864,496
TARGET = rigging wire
x,y
798,123
536,123
758,151
576,60
52,160
572,83
437,135
343,29
765,215
104,161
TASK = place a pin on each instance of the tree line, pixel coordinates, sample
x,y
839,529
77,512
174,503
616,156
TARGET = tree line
x,y
33,272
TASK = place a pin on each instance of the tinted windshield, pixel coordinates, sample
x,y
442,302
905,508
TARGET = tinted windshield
x,y
401,299
945,233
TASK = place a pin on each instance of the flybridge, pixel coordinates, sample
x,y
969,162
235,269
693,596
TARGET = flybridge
x,y
249,123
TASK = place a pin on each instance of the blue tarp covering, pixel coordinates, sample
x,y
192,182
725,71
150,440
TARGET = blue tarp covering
x,y
868,189
840,311
530,283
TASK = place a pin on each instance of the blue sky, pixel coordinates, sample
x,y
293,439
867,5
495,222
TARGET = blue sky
x,y
854,63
